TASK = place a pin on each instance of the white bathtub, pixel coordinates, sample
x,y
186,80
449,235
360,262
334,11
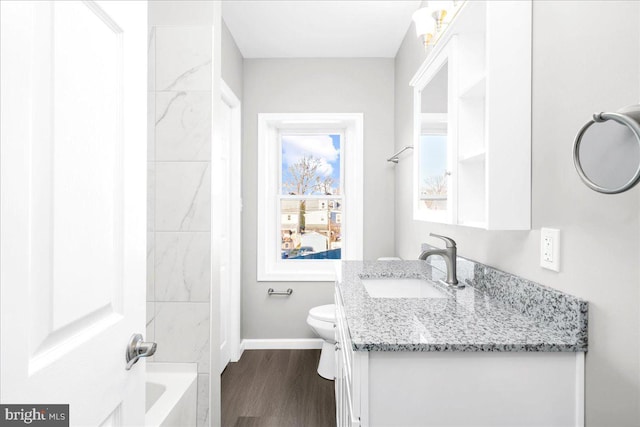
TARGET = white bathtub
x,y
171,395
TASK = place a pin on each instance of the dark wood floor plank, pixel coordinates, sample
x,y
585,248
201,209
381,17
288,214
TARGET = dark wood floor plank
x,y
277,388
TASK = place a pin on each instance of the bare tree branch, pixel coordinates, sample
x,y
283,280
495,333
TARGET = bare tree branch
x,y
306,178
436,185
324,185
303,175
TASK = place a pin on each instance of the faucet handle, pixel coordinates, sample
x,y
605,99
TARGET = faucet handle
x,y
450,243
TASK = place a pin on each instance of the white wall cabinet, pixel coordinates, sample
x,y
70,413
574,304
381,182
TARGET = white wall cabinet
x,y
382,388
487,52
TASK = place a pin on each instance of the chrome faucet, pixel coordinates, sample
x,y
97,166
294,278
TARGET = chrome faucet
x,y
450,257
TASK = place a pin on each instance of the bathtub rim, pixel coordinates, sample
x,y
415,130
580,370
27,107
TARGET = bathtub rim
x,y
178,378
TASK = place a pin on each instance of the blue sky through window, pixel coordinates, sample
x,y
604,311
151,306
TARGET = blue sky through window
x,y
324,148
433,156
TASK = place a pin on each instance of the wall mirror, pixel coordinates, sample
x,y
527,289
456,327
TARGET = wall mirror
x,y
472,102
607,151
433,157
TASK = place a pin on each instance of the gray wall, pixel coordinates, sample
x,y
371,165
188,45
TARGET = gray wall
x,y
576,71
308,86
232,62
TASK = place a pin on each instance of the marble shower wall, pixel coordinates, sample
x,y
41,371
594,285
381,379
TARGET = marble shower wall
x,y
179,204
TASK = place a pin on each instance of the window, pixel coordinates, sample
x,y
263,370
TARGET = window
x,y
310,194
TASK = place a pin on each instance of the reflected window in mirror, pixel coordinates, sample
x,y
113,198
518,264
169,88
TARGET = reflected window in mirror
x,y
433,162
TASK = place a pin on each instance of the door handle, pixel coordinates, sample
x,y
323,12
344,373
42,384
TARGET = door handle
x,y
137,349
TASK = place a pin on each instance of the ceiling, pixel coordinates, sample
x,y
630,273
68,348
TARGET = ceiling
x,y
318,29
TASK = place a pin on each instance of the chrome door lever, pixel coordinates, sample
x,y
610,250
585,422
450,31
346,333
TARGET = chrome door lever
x,y
137,349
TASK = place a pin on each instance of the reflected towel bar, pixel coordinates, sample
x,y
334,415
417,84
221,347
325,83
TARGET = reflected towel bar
x,y
288,292
395,157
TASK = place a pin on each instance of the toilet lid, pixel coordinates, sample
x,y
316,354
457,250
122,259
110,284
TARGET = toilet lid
x,y
325,313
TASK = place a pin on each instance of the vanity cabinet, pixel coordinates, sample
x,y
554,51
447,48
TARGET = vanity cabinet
x,y
346,414
485,55
414,388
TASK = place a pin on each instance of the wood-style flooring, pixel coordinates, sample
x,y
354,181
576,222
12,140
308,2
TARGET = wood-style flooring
x,y
277,388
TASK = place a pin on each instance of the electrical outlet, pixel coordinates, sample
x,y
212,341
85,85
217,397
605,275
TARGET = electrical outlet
x,y
547,249
550,249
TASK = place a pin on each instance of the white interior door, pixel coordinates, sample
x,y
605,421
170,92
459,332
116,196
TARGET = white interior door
x,y
72,170
227,217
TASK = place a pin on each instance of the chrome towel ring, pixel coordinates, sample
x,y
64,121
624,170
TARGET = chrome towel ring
x,y
629,117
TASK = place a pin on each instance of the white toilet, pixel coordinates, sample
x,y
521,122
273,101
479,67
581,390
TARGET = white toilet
x,y
322,320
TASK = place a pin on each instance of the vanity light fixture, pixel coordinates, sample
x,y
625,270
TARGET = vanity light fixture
x,y
431,20
425,25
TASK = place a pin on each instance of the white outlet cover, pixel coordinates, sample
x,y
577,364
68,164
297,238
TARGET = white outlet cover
x,y
547,249
550,249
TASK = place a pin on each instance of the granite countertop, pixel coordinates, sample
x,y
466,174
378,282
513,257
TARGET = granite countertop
x,y
500,312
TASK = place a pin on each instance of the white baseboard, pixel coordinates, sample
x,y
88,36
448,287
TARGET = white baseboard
x,y
235,356
241,349
281,344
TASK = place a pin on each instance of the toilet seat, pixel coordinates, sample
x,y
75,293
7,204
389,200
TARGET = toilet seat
x,y
324,313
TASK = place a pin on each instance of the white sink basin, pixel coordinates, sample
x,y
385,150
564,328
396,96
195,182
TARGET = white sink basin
x,y
402,288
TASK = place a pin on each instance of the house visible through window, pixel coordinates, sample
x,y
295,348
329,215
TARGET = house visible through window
x,y
311,195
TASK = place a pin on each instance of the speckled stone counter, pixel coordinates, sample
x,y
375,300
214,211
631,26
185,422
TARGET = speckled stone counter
x,y
496,311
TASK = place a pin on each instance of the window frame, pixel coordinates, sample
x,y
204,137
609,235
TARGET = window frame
x,y
270,265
